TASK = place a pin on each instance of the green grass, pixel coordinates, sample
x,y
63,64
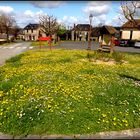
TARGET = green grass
x,y
61,92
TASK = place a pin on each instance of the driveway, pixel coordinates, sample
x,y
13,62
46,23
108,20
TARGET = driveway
x,y
94,46
8,51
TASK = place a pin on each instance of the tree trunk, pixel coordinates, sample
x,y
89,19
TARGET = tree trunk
x,y
7,36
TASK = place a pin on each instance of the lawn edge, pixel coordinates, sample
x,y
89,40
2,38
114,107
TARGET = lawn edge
x,y
130,133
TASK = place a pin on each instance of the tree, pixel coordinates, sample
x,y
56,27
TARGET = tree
x,y
131,11
49,24
62,30
15,30
7,22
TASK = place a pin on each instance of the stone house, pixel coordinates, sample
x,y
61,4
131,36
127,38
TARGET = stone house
x,y
80,32
131,30
32,32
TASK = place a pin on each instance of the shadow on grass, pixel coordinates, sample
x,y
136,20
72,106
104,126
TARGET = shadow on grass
x,y
128,76
15,61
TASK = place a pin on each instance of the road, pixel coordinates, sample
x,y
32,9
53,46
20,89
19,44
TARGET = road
x,y
8,51
94,46
13,49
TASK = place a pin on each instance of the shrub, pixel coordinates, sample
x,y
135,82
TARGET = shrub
x,y
118,57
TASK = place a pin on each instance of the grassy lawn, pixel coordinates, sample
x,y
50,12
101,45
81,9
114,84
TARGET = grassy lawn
x,y
61,92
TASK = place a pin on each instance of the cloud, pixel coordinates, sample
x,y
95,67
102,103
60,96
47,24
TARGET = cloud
x,y
6,9
97,8
47,4
118,20
28,16
69,20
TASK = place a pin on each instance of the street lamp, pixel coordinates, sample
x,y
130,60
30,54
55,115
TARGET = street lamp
x,y
89,35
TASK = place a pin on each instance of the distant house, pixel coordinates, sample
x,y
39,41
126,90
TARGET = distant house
x,y
3,38
20,35
80,32
131,30
32,32
3,35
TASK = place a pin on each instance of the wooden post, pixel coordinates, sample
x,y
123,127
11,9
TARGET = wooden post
x,y
40,43
112,44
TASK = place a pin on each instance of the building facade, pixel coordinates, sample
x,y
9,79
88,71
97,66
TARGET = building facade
x,y
80,32
131,30
32,32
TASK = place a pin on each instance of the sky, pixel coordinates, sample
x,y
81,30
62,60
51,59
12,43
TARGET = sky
x,y
66,12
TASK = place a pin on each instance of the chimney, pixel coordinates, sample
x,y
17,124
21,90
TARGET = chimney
x,y
74,25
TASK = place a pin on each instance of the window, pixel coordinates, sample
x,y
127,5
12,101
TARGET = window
x,y
32,30
27,30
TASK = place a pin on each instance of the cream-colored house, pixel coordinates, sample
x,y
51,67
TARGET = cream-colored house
x,y
131,30
80,32
32,32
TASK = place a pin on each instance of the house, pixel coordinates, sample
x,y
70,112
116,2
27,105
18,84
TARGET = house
x,y
32,32
80,32
20,35
3,38
131,30
96,32
3,35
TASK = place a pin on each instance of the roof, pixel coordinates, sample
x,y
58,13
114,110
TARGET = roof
x,y
130,24
82,27
110,29
20,32
118,28
32,26
96,32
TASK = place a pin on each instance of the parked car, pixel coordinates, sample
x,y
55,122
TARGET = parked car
x,y
116,42
124,43
137,44
127,43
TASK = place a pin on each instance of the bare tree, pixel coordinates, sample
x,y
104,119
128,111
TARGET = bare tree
x,y
7,22
130,11
49,24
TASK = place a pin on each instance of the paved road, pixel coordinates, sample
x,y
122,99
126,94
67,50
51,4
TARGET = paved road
x,y
13,49
94,46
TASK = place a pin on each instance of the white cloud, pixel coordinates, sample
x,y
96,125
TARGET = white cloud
x,y
28,17
6,9
118,20
28,14
47,4
69,20
97,8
